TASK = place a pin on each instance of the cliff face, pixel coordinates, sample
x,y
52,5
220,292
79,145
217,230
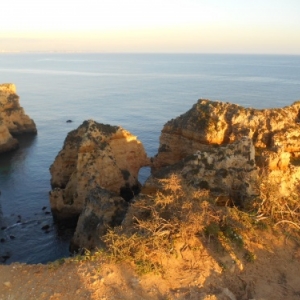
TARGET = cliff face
x,y
210,125
216,123
7,142
228,172
239,155
95,155
13,120
102,210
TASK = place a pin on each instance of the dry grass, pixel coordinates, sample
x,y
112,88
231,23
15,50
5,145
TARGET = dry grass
x,y
277,210
179,217
196,247
176,215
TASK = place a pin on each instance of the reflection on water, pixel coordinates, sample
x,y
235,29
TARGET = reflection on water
x,y
27,231
1,213
18,156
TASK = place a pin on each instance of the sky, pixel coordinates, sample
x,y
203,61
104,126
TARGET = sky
x,y
151,26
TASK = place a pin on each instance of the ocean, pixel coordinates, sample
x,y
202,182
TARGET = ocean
x,y
139,92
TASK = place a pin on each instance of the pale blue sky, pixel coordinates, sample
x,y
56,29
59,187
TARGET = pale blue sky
x,y
202,26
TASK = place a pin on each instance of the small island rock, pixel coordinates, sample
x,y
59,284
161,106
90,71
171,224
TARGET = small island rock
x,y
13,120
95,155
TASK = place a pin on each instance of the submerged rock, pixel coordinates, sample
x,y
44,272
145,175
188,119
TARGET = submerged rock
x,y
13,120
95,155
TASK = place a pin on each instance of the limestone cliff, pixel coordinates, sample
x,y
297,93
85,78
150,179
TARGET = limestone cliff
x,y
102,210
13,120
216,123
95,155
209,125
7,142
228,172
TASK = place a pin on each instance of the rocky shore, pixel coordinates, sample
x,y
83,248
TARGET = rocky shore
x,y
220,171
220,147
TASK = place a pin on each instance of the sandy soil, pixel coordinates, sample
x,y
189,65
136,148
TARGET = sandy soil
x,y
201,273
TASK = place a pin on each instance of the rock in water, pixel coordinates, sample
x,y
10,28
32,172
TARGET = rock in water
x,y
7,142
94,155
13,120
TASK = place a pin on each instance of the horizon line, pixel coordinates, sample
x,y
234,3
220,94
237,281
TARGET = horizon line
x,y
137,53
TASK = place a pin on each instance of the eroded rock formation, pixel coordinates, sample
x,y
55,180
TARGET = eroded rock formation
x,y
102,210
95,155
228,171
215,123
13,120
7,142
238,154
208,125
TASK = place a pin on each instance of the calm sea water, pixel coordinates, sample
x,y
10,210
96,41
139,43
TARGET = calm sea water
x,y
140,92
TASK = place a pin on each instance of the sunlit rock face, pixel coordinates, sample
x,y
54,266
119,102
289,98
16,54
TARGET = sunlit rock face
x,y
216,123
228,172
210,127
95,155
103,210
13,120
12,114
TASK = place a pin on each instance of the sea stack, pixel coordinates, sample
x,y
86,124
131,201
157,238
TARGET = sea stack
x,y
13,120
93,156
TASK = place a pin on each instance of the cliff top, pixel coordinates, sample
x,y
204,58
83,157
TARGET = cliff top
x,y
247,258
8,88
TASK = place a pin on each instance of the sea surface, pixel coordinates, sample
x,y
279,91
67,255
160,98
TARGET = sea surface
x,y
140,92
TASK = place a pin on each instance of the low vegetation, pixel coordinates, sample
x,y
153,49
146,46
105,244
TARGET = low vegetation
x,y
179,217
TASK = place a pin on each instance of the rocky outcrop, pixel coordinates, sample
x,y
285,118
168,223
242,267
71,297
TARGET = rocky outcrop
x,y
228,172
7,142
204,130
216,123
102,210
237,154
95,155
13,120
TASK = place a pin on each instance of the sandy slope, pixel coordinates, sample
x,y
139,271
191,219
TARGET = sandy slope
x,y
201,273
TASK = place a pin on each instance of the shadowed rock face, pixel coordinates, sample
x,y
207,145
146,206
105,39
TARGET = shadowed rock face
x,y
95,155
7,142
13,120
216,123
102,210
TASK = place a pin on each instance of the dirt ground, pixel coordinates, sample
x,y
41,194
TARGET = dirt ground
x,y
200,273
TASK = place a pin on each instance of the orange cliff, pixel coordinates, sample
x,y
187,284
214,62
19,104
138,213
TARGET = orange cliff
x,y
95,155
13,120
